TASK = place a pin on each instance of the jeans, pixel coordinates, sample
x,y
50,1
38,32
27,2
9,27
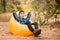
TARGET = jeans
x,y
30,25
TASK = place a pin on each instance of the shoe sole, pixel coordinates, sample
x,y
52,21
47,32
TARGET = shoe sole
x,y
37,33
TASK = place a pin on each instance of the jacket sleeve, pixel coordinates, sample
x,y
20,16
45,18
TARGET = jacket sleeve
x,y
28,17
16,17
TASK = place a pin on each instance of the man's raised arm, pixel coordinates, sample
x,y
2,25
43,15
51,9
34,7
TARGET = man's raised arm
x,y
15,16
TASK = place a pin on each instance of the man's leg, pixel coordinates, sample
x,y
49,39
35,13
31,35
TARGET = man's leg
x,y
29,26
35,24
37,31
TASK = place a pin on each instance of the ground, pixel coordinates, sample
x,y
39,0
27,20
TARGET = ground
x,y
48,33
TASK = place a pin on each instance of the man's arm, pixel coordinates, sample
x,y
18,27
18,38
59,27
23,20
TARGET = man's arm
x,y
15,16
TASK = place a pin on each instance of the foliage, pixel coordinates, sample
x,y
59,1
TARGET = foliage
x,y
38,5
11,5
42,6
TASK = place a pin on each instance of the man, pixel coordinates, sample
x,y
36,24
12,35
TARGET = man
x,y
20,18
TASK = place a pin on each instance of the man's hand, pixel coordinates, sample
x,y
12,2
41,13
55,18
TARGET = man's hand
x,y
14,13
29,13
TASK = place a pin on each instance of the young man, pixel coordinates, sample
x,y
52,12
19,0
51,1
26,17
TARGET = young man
x,y
20,18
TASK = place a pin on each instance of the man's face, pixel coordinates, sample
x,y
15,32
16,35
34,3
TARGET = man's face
x,y
21,14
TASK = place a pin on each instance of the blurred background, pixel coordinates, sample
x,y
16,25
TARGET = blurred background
x,y
45,11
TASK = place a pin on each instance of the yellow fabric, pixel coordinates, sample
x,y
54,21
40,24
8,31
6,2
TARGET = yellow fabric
x,y
18,29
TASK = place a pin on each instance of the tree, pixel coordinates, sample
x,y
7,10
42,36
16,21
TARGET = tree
x,y
50,8
44,5
4,5
57,1
38,6
57,9
16,2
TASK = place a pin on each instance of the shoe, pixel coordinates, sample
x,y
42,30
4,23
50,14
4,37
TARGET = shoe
x,y
37,32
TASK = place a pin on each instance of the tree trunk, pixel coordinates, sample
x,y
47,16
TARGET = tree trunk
x,y
4,5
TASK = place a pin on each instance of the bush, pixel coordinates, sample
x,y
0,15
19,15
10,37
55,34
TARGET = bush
x,y
11,7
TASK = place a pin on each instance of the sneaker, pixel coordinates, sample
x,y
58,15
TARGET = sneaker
x,y
37,32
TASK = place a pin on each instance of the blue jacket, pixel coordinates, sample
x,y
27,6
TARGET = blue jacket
x,y
22,20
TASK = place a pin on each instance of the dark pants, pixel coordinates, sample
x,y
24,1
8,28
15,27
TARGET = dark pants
x,y
30,25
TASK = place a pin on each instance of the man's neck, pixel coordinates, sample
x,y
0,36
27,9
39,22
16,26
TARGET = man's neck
x,y
21,17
